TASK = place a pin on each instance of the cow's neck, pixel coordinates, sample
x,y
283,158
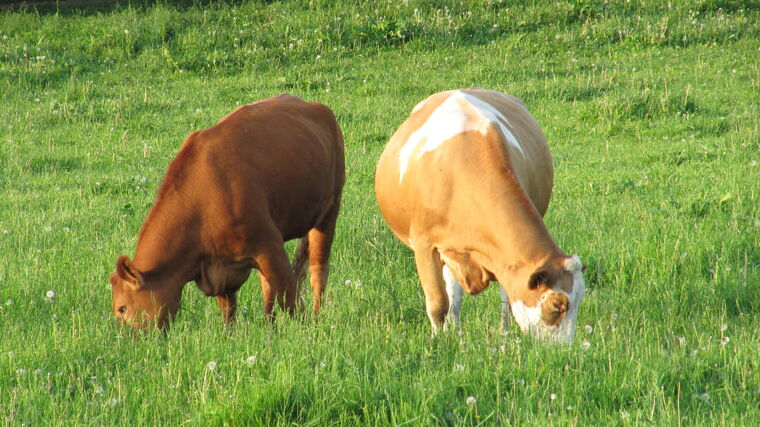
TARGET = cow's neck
x,y
168,245
516,236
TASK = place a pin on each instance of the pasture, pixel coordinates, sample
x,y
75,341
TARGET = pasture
x,y
651,111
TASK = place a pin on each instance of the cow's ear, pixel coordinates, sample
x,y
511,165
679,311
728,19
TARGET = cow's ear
x,y
127,271
540,277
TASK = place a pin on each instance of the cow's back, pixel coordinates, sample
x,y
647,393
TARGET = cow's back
x,y
278,160
457,149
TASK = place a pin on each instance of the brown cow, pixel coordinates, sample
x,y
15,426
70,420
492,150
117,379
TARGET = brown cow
x,y
464,182
267,173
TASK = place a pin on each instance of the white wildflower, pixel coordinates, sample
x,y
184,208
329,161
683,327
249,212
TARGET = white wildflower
x,y
471,400
49,295
553,396
589,329
586,345
211,365
251,359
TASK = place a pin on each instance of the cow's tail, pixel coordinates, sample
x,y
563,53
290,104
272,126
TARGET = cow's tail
x,y
300,262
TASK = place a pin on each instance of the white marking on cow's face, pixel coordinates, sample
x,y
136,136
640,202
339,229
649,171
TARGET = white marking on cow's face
x,y
449,119
529,318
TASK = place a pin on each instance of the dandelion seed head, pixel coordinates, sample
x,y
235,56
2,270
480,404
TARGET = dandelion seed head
x,y
211,365
471,400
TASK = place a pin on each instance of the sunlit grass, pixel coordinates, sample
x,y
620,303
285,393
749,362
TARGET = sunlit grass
x,y
651,114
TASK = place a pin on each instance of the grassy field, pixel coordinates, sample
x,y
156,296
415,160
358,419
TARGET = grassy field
x,y
652,113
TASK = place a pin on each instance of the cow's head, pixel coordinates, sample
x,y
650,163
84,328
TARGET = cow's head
x,y
546,305
137,303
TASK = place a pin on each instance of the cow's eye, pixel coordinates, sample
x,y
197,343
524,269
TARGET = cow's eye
x,y
122,309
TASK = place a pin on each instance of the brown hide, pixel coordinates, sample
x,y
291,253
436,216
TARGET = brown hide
x,y
266,173
453,188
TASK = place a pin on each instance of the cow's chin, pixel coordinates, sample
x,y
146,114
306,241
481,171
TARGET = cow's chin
x,y
530,322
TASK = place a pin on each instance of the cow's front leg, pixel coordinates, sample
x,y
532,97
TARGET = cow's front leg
x,y
228,305
278,283
506,313
454,291
429,269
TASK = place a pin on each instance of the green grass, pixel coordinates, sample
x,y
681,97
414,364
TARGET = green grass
x,y
651,111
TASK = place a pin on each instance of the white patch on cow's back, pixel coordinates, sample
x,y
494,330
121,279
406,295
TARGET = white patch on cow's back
x,y
419,106
449,119
496,117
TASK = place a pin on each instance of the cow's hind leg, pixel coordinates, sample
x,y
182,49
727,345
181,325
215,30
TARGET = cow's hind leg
x,y
454,291
320,244
278,283
430,270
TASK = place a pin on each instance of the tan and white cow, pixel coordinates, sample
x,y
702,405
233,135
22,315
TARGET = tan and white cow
x,y
465,182
267,173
